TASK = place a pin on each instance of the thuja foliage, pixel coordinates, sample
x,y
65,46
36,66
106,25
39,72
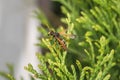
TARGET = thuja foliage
x,y
94,54
8,75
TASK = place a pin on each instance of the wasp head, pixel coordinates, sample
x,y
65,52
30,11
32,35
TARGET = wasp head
x,y
52,33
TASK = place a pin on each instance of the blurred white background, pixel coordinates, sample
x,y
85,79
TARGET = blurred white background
x,y
18,35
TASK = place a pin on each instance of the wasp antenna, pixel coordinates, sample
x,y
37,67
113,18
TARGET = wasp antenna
x,y
48,27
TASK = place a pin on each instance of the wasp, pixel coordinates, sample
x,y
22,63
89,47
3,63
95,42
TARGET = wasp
x,y
58,38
